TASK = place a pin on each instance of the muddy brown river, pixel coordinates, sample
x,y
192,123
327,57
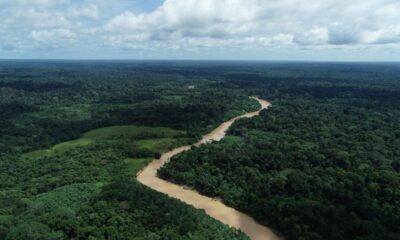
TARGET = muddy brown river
x,y
214,208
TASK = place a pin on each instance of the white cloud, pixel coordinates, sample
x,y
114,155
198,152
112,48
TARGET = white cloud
x,y
50,24
54,37
203,25
40,18
284,22
315,36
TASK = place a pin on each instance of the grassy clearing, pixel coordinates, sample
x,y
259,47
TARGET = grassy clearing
x,y
132,132
65,146
38,153
136,164
59,148
155,145
156,139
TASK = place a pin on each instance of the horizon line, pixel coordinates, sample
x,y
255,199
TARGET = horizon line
x,y
198,60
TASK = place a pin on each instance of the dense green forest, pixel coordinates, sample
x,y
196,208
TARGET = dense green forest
x,y
322,163
57,182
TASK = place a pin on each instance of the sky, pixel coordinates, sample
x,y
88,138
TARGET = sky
x,y
310,30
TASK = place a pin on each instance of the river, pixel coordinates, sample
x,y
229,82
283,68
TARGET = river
x,y
213,207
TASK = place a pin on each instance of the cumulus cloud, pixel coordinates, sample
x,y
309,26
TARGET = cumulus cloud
x,y
266,23
39,18
41,24
54,36
314,36
203,25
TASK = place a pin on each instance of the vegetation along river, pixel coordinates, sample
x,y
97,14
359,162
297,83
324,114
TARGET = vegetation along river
x,y
214,208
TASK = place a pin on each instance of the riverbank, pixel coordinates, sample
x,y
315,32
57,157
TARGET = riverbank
x,y
216,209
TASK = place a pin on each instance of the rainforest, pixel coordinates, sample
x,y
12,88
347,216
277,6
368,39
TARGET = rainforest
x,y
322,162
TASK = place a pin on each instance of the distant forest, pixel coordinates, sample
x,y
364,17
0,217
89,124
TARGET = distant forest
x,y
322,163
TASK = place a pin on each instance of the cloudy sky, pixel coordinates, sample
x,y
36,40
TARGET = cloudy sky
x,y
333,30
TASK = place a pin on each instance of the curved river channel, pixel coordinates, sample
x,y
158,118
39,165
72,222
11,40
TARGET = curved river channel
x,y
213,207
